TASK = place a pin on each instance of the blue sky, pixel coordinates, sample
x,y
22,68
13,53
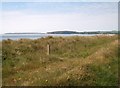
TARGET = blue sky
x,y
61,7
60,0
55,16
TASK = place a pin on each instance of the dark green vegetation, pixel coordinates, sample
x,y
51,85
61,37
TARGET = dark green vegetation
x,y
92,32
76,61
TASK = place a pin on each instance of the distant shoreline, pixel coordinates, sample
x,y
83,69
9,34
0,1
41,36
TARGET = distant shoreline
x,y
71,32
24,33
37,36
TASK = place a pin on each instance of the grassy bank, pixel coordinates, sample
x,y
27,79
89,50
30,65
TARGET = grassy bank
x,y
75,61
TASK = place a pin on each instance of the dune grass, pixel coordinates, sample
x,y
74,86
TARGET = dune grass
x,y
73,61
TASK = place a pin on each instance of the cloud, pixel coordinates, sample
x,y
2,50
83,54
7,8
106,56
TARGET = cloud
x,y
44,17
15,21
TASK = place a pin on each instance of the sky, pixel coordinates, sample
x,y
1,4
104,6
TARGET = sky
x,y
58,16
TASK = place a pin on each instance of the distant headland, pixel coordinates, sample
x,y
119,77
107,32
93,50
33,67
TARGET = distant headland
x,y
71,32
74,32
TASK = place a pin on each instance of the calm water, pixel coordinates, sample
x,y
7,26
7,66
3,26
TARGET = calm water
x,y
35,36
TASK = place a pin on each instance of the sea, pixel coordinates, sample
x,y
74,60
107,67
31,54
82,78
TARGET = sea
x,y
36,36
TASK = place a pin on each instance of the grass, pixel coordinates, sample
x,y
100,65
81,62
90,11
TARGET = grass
x,y
76,61
0,63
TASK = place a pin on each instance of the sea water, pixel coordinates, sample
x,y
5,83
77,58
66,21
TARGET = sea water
x,y
36,36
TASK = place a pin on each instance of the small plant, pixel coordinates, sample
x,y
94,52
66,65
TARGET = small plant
x,y
49,37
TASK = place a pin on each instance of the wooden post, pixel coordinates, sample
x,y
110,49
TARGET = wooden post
x,y
48,49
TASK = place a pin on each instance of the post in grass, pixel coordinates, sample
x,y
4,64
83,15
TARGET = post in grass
x,y
48,49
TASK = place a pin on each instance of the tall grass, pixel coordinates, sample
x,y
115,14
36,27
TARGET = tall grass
x,y
76,61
